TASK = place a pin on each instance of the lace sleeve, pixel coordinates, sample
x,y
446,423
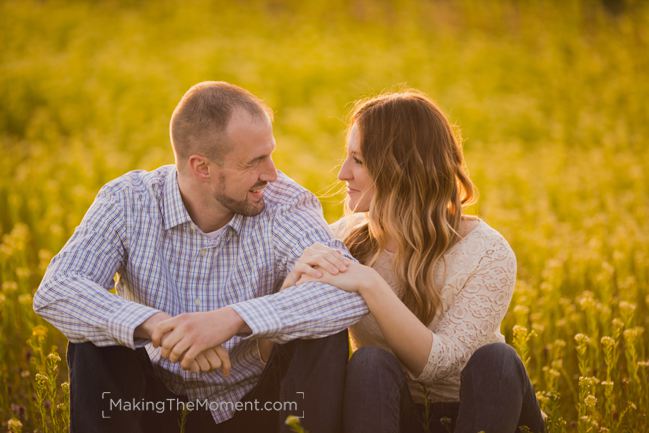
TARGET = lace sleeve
x,y
475,314
343,226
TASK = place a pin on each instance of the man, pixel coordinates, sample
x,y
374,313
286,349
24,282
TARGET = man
x,y
201,249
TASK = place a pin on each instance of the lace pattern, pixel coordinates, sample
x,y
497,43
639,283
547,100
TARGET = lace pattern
x,y
477,280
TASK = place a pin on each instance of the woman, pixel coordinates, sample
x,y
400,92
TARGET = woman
x,y
437,283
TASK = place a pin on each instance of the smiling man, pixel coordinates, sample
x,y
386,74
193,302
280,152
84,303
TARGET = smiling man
x,y
201,248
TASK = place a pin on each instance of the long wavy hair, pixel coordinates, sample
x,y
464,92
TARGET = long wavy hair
x,y
420,186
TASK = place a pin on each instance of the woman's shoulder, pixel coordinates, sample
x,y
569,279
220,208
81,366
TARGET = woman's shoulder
x,y
344,225
485,241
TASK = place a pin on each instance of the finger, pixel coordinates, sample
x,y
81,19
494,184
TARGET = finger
x,y
203,363
195,367
328,278
213,359
314,248
322,261
168,342
290,280
178,351
190,355
303,268
170,339
225,359
313,252
335,258
161,329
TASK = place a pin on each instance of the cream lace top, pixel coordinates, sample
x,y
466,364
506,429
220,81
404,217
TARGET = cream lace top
x,y
476,290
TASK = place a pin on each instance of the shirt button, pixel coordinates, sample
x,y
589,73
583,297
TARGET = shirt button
x,y
192,228
203,251
197,302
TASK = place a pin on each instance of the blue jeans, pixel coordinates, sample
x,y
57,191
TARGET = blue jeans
x,y
496,396
314,367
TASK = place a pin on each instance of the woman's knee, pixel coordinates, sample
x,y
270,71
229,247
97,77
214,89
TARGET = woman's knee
x,y
494,357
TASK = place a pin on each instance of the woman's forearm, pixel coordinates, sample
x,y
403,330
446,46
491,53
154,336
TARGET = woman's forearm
x,y
404,333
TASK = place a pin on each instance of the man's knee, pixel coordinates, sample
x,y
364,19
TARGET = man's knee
x,y
373,360
332,346
91,365
89,352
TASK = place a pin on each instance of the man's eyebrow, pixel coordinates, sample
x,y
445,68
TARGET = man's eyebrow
x,y
259,158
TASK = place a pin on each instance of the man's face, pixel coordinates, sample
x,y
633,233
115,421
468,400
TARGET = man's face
x,y
247,167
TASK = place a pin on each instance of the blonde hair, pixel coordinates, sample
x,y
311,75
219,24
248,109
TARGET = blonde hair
x,y
420,186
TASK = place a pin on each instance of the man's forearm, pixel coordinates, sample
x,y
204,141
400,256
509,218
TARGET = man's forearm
x,y
308,310
84,311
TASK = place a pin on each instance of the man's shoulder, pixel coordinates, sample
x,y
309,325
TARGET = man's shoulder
x,y
286,192
138,186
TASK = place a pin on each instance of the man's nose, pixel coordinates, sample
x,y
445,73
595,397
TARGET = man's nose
x,y
270,172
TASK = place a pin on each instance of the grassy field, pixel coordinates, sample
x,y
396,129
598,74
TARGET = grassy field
x,y
550,97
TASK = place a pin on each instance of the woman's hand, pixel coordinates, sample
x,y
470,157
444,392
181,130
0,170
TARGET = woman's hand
x,y
357,278
313,261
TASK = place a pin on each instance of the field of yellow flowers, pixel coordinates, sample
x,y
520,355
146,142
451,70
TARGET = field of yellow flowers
x,y
550,97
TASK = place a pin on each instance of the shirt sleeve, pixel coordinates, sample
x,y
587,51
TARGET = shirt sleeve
x,y
74,293
474,316
311,309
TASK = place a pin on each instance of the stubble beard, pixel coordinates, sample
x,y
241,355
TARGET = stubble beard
x,y
241,207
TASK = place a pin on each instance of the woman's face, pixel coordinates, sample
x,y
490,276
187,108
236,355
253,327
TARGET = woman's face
x,y
360,187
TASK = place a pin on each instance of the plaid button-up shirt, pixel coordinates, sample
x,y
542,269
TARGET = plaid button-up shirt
x,y
139,228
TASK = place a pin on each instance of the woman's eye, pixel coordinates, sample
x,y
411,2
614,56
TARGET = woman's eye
x,y
357,161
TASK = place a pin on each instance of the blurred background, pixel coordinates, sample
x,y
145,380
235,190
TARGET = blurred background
x,y
550,98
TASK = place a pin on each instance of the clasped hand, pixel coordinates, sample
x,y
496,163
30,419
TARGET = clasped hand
x,y
195,339
325,264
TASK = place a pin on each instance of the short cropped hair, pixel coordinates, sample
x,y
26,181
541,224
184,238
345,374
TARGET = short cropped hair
x,y
199,120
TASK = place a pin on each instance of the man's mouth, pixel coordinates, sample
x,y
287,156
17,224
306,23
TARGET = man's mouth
x,y
258,188
257,191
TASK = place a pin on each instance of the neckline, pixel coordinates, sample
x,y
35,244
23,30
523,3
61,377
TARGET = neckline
x,y
474,229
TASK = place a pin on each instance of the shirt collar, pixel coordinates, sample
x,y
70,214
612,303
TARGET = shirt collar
x,y
175,212
235,223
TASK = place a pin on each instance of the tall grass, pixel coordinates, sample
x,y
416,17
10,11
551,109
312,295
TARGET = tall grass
x,y
550,98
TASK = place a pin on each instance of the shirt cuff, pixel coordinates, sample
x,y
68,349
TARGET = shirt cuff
x,y
122,324
260,316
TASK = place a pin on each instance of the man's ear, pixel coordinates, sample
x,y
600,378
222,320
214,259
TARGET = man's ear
x,y
199,166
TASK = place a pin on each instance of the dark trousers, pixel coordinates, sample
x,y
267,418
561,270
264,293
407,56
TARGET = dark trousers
x,y
315,368
496,396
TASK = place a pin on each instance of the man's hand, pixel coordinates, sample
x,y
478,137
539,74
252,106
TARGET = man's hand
x,y
187,335
211,359
145,329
